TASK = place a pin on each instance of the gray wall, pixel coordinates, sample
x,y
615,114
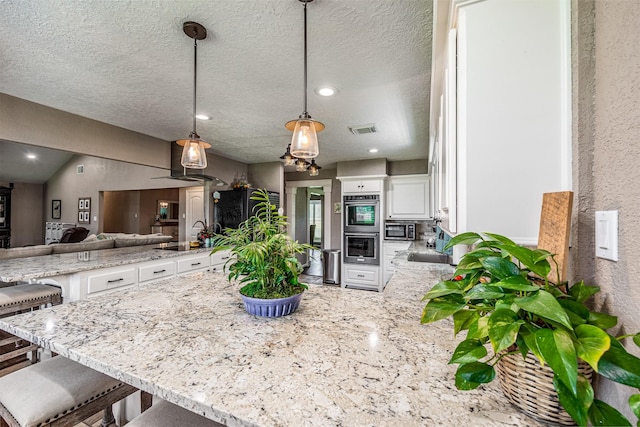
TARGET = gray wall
x,y
100,175
27,214
267,175
606,154
407,167
362,167
35,124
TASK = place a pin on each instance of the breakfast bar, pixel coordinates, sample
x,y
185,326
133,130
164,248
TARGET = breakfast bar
x,y
346,357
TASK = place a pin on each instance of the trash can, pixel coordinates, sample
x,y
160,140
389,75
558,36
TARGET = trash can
x,y
331,266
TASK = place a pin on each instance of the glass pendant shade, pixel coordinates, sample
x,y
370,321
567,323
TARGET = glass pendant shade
x,y
193,152
314,169
304,142
287,158
301,165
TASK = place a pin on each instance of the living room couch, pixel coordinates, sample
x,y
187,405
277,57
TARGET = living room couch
x,y
91,243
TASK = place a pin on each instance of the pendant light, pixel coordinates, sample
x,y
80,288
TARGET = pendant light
x,y
193,153
314,169
287,157
304,143
301,165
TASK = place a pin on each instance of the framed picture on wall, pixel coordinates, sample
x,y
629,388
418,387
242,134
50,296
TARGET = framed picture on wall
x,y
56,209
84,210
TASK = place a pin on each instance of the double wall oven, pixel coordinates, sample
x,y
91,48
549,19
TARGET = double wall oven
x,y
362,229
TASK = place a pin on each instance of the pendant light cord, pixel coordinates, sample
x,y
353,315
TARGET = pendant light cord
x,y
305,113
195,79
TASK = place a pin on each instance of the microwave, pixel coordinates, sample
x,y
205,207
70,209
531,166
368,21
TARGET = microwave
x,y
399,231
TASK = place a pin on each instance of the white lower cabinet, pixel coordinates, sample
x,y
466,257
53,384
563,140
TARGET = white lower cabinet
x,y
108,279
218,260
391,249
191,263
157,270
362,277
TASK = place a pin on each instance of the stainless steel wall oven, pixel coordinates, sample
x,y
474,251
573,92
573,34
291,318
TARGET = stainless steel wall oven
x,y
362,248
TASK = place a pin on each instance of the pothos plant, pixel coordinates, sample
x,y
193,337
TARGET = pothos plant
x,y
500,294
264,256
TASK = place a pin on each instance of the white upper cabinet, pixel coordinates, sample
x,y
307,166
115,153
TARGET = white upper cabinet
x,y
408,197
361,185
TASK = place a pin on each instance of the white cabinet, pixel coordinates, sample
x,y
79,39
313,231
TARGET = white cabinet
x,y
109,278
219,259
362,277
391,249
484,146
157,270
191,263
361,186
408,197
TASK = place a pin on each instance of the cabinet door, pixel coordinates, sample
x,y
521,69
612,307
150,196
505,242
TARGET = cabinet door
x,y
352,186
362,186
193,263
157,270
408,197
108,279
371,185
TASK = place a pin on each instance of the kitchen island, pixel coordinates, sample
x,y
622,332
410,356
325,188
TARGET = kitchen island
x,y
345,358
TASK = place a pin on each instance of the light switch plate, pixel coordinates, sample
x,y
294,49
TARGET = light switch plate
x,y
607,235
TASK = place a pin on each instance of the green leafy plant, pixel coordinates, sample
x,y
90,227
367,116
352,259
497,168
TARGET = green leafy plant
x,y
264,256
500,295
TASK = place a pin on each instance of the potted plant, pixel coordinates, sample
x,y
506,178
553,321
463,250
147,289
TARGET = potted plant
x,y
500,295
264,260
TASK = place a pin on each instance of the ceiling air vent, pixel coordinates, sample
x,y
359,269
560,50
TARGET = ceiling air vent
x,y
362,129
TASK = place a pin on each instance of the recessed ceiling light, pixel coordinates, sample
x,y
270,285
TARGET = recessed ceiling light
x,y
203,117
373,150
31,156
326,90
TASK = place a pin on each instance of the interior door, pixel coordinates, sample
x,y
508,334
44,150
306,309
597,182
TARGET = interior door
x,y
194,212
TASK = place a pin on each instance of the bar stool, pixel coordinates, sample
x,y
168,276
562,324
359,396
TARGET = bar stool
x,y
58,392
165,414
16,299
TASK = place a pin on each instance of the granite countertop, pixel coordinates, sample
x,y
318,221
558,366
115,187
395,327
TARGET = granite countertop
x,y
12,270
345,358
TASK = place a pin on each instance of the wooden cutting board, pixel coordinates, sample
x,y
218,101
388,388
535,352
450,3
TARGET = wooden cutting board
x,y
555,229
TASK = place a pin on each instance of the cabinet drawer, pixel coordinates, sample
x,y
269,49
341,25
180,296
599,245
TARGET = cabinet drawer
x,y
157,271
219,258
193,263
112,280
357,275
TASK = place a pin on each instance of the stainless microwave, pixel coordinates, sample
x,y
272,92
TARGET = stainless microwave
x,y
399,231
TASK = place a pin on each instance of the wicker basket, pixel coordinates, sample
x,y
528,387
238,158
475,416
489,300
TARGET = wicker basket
x,y
529,387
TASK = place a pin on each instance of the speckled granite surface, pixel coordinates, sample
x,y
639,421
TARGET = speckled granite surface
x,y
12,270
345,358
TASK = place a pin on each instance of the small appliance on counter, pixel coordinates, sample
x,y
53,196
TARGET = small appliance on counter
x,y
399,231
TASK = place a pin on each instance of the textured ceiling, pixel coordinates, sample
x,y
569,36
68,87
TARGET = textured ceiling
x,y
129,64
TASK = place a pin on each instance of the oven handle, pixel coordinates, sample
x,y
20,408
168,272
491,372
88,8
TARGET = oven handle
x,y
361,234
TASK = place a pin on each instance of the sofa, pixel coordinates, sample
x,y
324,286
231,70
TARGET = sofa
x,y
90,243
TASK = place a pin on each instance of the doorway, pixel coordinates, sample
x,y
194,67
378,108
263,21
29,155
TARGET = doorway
x,y
309,204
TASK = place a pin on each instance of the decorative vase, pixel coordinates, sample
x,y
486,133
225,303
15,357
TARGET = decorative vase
x,y
529,387
277,307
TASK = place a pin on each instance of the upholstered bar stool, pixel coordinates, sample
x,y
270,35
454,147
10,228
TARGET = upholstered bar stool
x,y
58,392
165,414
16,299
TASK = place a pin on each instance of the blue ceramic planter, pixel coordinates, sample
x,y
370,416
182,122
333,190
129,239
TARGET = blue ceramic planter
x,y
272,307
